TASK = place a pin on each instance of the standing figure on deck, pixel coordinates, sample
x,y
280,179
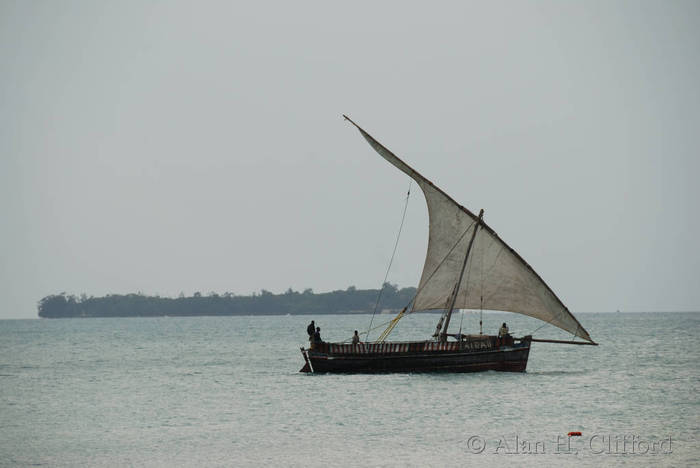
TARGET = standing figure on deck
x,y
503,331
355,338
310,330
317,336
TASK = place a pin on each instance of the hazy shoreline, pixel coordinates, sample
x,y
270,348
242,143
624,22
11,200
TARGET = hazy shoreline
x,y
349,301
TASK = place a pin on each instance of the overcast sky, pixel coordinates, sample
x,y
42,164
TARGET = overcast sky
x,y
169,147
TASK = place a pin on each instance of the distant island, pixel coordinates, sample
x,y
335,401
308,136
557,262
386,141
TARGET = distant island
x,y
348,301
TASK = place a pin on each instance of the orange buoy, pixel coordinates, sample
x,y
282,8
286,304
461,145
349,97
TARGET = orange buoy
x,y
574,434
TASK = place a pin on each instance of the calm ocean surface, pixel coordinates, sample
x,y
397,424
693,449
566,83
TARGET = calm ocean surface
x,y
225,391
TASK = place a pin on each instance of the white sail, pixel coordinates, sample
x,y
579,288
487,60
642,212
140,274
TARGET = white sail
x,y
496,277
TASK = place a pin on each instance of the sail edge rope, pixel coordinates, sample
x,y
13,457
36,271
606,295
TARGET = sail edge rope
x,y
391,261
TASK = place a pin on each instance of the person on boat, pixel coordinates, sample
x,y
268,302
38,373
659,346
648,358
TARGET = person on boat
x,y
503,331
310,330
317,336
355,338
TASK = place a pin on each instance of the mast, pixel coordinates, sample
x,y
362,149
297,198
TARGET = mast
x,y
461,275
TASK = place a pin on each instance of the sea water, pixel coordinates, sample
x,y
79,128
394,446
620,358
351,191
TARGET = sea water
x,y
226,391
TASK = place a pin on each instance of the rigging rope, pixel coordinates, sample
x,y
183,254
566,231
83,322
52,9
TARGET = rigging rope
x,y
386,275
542,326
424,284
481,303
376,327
441,262
466,288
391,326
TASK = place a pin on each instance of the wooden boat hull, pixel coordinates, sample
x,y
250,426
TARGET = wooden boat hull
x,y
418,357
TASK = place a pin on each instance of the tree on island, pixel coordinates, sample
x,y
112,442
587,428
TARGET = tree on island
x,y
351,300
